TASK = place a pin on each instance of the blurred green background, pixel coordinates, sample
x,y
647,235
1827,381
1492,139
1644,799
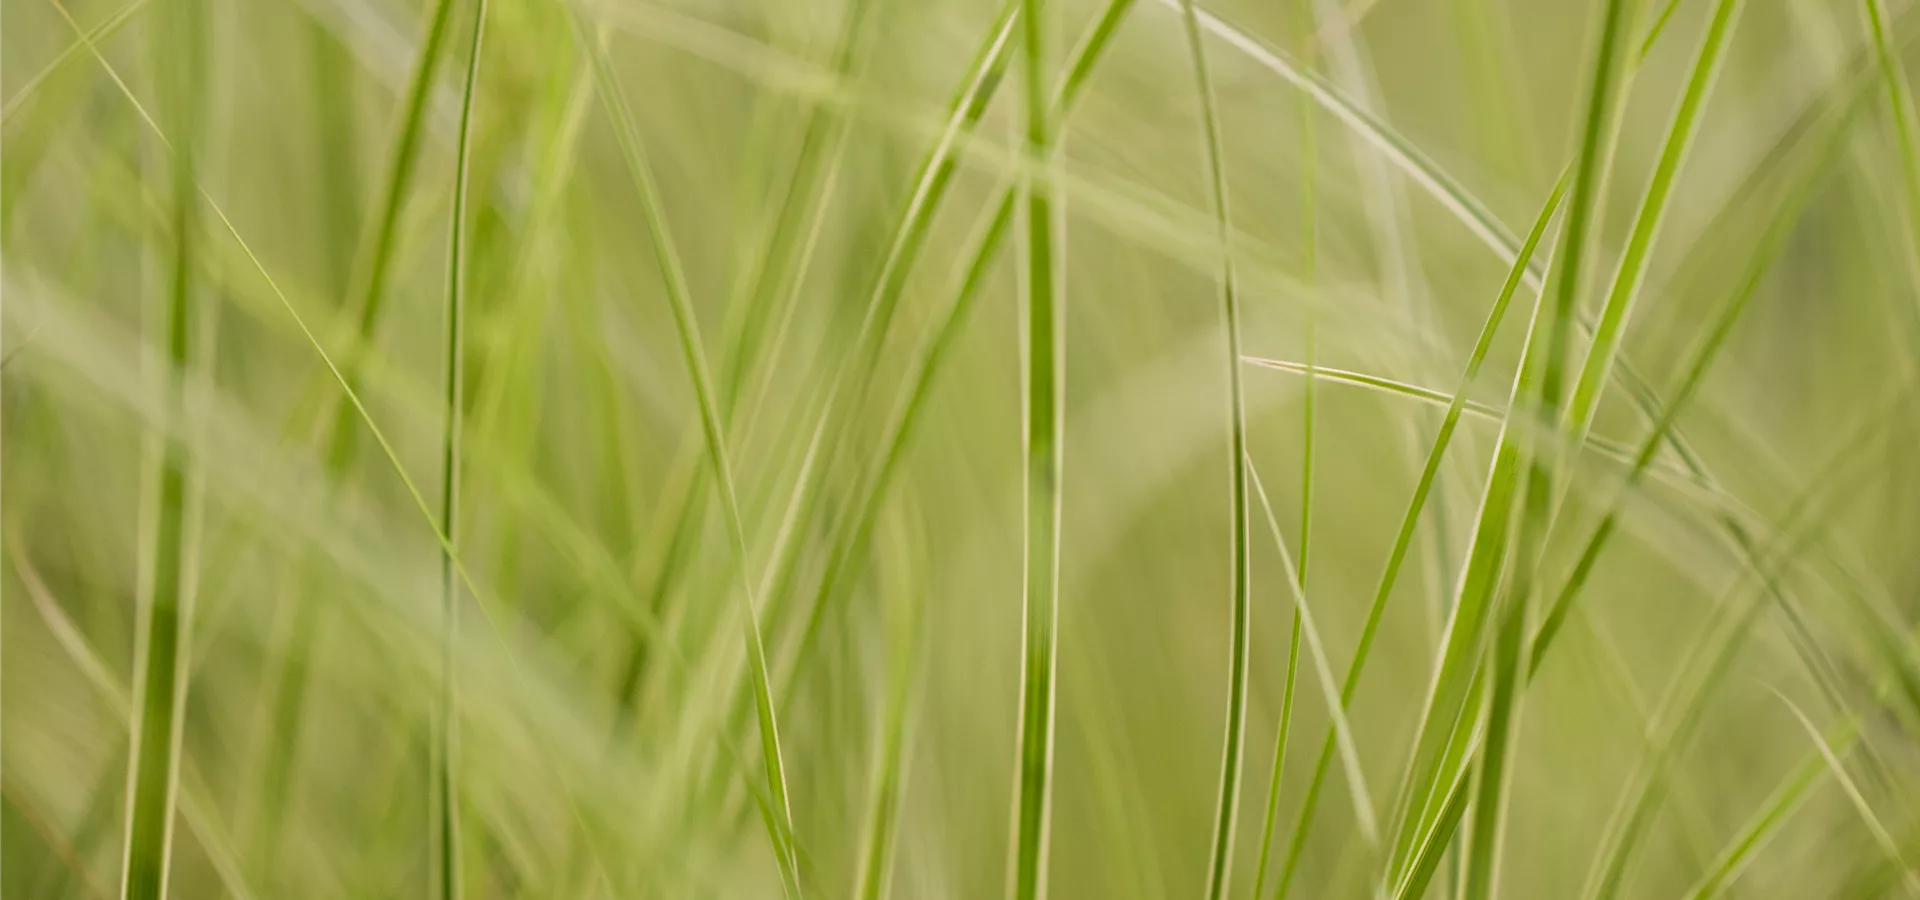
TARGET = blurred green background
x,y
200,200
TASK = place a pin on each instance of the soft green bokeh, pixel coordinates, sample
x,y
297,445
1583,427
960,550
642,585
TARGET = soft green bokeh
x,y
1382,160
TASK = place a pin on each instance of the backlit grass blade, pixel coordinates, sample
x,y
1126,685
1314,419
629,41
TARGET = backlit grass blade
x,y
96,35
1507,662
1409,522
1317,653
906,636
1614,450
1632,269
1044,367
286,689
169,565
376,259
1283,733
1618,846
780,816
980,256
1227,806
446,726
1881,836
781,257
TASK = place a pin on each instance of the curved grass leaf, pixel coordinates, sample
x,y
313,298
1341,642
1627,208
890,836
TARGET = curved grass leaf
x,y
1227,807
779,815
446,762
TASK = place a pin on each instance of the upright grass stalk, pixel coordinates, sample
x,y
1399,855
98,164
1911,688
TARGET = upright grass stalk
x,y
904,249
904,245
906,643
1632,270
778,812
169,566
1044,356
286,693
1227,807
1524,271
1309,153
447,717
1506,667
773,274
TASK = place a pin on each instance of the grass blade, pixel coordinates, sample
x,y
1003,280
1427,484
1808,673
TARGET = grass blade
x,y
447,728
1309,150
95,35
1409,521
779,817
1045,414
1632,270
162,653
1508,670
1909,878
1227,807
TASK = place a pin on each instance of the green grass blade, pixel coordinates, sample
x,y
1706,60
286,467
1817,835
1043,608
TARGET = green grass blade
x,y
1506,685
1409,521
906,635
446,727
779,819
781,257
1227,807
96,35
376,263
1683,708
1045,414
1869,818
1632,269
1698,361
1486,412
897,435
904,248
1316,651
1309,394
163,655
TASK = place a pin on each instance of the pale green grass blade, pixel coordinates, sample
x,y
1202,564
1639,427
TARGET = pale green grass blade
x,y
376,259
1044,360
195,808
170,558
447,845
1611,449
1681,710
898,433
1232,762
904,248
1316,651
780,816
1767,820
368,287
1309,149
782,256
95,35
906,637
1881,836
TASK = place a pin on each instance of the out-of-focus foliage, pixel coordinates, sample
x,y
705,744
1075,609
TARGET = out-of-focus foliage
x,y
223,319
